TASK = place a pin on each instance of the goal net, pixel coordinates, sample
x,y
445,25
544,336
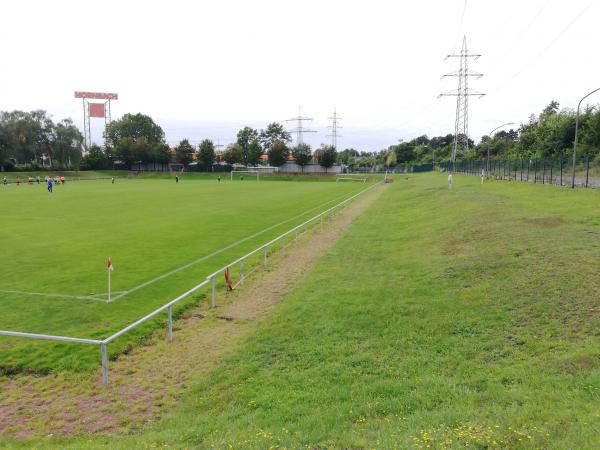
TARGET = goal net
x,y
241,173
350,177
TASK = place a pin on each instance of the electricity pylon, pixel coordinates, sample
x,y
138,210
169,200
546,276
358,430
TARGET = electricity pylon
x,y
334,127
300,130
461,124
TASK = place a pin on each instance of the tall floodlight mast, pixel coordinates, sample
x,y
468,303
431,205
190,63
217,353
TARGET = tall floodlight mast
x,y
300,130
461,124
334,129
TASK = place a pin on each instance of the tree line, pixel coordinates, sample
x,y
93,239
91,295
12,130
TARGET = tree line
x,y
33,139
549,134
136,138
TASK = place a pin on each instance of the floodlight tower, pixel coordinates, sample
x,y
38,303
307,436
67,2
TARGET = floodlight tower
x,y
300,130
334,127
461,124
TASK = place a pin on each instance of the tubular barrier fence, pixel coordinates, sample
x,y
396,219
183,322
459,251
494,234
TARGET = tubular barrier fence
x,y
211,279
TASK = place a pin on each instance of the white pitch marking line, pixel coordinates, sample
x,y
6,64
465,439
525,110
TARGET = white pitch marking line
x,y
234,244
101,297
63,296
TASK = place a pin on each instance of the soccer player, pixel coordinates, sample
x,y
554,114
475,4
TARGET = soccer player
x,y
113,180
50,184
176,178
18,180
219,178
4,181
37,179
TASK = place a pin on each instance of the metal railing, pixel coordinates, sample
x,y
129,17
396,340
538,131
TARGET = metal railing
x,y
211,279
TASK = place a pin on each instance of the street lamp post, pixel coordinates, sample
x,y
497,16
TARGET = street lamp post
x,y
576,127
488,152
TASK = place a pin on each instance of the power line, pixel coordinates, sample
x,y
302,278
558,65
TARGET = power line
x,y
544,50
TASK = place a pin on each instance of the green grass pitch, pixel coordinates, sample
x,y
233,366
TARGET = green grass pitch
x,y
55,249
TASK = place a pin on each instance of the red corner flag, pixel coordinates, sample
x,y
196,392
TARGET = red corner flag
x,y
110,266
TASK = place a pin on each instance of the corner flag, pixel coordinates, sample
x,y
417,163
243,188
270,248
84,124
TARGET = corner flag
x,y
109,269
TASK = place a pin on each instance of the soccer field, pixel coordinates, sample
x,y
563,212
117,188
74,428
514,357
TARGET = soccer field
x,y
163,238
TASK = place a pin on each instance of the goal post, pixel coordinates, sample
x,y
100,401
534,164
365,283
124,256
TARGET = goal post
x,y
350,177
253,172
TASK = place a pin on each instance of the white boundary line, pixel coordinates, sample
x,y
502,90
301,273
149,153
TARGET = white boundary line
x,y
121,294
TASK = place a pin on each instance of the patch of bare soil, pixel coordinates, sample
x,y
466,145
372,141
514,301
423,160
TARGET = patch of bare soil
x,y
151,378
545,221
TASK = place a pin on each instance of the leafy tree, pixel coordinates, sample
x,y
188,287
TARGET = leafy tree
x,y
125,151
206,153
274,132
233,154
161,153
391,159
134,126
66,144
345,155
254,152
302,155
95,159
184,152
278,154
244,138
326,156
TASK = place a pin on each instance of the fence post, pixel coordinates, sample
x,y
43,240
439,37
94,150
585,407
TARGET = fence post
x,y
242,271
535,172
528,164
170,318
104,364
544,171
561,170
551,170
213,288
587,170
266,259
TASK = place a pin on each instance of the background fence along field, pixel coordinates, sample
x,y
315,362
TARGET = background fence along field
x,y
554,170
58,244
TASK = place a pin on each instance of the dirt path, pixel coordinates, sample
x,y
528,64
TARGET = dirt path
x,y
152,377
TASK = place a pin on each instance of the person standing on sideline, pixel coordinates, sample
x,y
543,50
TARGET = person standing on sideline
x,y
112,180
176,178
37,179
450,181
50,184
4,181
18,180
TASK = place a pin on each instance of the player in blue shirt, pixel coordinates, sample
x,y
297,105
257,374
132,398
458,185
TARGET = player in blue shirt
x,y
50,184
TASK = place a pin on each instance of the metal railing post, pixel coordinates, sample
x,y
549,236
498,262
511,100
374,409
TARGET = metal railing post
x,y
213,289
242,271
104,364
265,259
170,315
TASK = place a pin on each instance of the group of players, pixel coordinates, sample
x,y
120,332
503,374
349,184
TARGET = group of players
x,y
49,181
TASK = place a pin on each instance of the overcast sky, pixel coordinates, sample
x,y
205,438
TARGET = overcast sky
x,y
204,69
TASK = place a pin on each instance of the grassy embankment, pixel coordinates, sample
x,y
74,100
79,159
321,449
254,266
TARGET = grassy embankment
x,y
441,319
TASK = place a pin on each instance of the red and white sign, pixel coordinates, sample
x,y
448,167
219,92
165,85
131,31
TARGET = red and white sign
x,y
96,110
97,95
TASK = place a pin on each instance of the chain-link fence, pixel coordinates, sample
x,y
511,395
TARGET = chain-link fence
x,y
555,170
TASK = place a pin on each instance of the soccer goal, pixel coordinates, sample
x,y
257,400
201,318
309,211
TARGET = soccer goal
x,y
249,172
350,177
